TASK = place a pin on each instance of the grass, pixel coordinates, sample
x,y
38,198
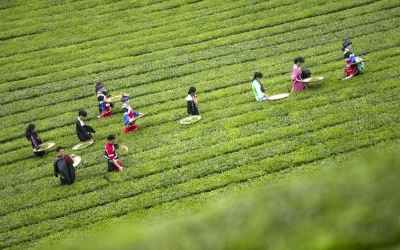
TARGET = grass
x,y
52,53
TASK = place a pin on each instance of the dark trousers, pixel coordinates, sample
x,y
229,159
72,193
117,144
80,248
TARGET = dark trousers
x,y
68,176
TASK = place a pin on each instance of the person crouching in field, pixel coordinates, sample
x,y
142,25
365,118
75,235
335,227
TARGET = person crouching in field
x,y
349,57
35,140
104,106
83,130
129,115
258,87
296,75
114,165
192,103
63,165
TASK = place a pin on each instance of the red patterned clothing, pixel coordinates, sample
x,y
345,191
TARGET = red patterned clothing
x,y
111,155
129,113
104,106
349,58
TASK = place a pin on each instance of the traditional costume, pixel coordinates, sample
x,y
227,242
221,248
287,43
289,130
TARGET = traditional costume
x,y
111,155
350,58
258,93
83,130
297,80
129,114
64,166
104,106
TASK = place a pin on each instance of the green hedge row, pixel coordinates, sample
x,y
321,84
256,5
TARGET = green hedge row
x,y
209,162
53,76
237,141
49,97
191,204
191,187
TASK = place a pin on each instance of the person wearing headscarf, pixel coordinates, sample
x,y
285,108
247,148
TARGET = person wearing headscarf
x,y
32,136
129,115
104,106
114,165
258,88
350,58
192,103
83,130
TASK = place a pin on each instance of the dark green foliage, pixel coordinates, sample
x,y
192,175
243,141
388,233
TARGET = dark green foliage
x,y
52,53
352,207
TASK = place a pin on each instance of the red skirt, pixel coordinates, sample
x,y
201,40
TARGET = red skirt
x,y
351,70
130,127
106,113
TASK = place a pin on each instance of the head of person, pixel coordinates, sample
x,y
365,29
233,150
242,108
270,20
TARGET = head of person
x,y
125,98
30,130
257,76
346,44
192,91
60,151
299,61
82,114
99,87
111,139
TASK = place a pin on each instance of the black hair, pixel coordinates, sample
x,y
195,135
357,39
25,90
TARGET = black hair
x,y
299,59
110,137
82,113
192,90
59,148
257,74
29,130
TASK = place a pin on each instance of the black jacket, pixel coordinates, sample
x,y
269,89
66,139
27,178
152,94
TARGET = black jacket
x,y
83,132
66,171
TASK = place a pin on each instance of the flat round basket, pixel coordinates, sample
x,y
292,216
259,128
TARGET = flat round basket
x,y
190,119
115,98
122,150
83,145
140,116
278,96
313,79
357,62
76,158
45,145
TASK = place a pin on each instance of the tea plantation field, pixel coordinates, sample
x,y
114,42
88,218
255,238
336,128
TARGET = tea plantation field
x,y
52,53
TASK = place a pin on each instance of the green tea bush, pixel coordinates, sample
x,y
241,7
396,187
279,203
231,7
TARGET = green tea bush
x,y
53,53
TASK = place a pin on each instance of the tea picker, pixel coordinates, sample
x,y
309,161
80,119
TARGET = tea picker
x,y
354,65
193,109
130,115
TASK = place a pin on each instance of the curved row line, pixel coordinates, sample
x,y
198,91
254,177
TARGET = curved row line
x,y
250,59
100,34
200,157
141,71
19,128
130,199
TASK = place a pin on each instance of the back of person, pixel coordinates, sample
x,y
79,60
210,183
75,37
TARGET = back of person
x,y
66,171
192,103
